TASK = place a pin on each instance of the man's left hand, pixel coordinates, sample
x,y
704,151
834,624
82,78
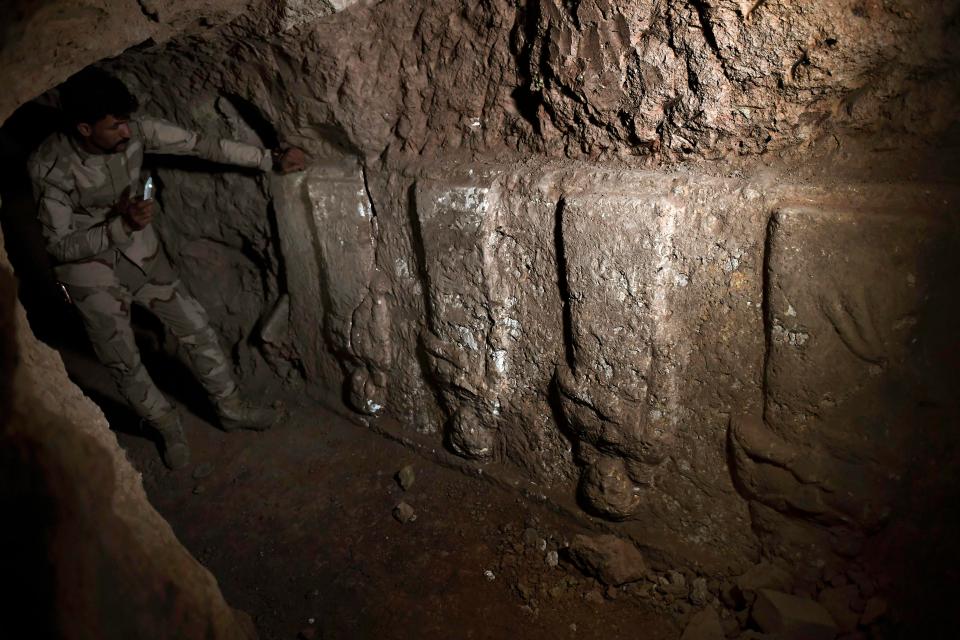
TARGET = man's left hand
x,y
289,160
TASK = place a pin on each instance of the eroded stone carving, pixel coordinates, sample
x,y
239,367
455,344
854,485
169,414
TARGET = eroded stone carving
x,y
619,389
470,332
846,296
328,237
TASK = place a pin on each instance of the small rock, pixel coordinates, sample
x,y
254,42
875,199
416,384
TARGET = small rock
x,y
611,560
699,595
489,575
553,559
873,610
704,625
406,477
404,513
150,9
594,597
792,618
197,490
611,593
675,585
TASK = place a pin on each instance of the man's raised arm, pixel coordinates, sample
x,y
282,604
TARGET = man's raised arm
x,y
161,136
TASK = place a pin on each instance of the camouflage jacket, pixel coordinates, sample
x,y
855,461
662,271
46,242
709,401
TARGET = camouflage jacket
x,y
76,191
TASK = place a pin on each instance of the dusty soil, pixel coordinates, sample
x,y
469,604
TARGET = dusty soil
x,y
297,526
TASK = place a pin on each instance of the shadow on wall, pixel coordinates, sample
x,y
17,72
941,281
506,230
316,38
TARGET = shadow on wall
x,y
853,459
38,289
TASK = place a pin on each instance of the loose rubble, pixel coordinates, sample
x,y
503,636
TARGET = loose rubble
x,y
406,477
404,513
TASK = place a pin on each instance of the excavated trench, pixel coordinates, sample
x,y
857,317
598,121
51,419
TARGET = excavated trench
x,y
657,300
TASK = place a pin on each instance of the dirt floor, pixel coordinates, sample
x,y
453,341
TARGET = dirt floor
x,y
297,525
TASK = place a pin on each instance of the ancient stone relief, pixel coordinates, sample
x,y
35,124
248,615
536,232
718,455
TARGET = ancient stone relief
x,y
469,331
847,362
618,388
338,300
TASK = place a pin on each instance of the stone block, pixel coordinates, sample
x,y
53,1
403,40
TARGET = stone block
x,y
612,560
471,331
619,392
337,299
857,303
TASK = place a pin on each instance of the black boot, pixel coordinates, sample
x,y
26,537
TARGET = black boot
x,y
173,446
236,414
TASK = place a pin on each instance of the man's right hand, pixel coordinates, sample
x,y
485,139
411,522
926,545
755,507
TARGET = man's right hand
x,y
136,214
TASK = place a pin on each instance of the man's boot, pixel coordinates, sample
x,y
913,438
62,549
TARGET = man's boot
x,y
236,414
173,444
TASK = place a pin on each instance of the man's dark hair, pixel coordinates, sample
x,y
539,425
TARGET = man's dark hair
x,y
93,94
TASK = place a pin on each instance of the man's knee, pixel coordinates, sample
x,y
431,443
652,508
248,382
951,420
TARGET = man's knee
x,y
178,310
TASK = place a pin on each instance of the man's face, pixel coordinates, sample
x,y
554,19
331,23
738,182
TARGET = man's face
x,y
108,135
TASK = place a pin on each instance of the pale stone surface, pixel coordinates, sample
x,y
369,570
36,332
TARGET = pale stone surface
x,y
339,311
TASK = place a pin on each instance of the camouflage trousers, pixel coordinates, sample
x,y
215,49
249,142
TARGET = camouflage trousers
x,y
106,315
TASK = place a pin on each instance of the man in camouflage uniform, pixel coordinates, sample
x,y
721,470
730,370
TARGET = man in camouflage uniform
x,y
108,256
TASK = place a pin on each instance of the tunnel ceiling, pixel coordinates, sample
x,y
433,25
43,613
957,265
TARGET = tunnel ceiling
x,y
660,79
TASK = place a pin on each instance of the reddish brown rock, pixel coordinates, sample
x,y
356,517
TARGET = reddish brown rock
x,y
612,560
